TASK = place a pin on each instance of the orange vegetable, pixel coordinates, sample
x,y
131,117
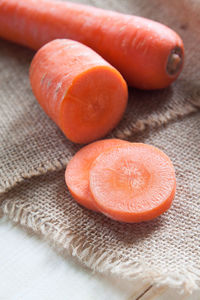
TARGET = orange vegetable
x,y
148,54
132,183
84,95
77,171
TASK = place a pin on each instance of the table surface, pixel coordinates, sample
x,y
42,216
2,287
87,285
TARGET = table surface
x,y
31,269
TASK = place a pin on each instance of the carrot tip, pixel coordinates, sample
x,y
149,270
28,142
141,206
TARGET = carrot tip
x,y
175,61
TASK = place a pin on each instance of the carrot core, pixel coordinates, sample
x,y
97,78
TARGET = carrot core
x,y
131,175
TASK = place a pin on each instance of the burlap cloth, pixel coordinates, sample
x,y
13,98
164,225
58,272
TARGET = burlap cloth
x,y
34,153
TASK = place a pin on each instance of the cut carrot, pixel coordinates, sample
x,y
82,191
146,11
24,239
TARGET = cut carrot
x,y
84,95
77,171
132,183
148,54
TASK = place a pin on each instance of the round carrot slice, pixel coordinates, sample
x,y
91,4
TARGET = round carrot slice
x,y
77,171
132,183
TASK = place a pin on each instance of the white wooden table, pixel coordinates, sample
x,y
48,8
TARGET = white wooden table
x,y
31,270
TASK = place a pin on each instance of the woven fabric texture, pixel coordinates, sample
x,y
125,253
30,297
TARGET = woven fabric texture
x,y
34,153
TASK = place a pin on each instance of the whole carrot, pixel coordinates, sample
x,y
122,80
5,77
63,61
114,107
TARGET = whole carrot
x,y
83,94
148,54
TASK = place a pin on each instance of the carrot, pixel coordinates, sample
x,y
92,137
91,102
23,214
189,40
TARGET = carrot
x,y
77,171
132,183
84,95
148,54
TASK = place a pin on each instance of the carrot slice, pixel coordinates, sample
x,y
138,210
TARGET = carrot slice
x,y
77,171
132,183
82,93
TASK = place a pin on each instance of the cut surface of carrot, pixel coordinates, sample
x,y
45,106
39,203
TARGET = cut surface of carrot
x,y
149,55
132,183
82,93
77,171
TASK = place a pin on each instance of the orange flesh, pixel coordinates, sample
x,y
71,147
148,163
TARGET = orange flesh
x,y
132,183
84,95
77,171
93,105
139,48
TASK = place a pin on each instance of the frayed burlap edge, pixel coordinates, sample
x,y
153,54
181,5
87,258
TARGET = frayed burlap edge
x,y
159,120
123,133
56,165
95,259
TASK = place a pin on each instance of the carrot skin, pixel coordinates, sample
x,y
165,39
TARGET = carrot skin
x,y
83,94
148,54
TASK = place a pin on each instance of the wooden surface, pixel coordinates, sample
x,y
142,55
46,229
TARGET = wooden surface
x,y
31,269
